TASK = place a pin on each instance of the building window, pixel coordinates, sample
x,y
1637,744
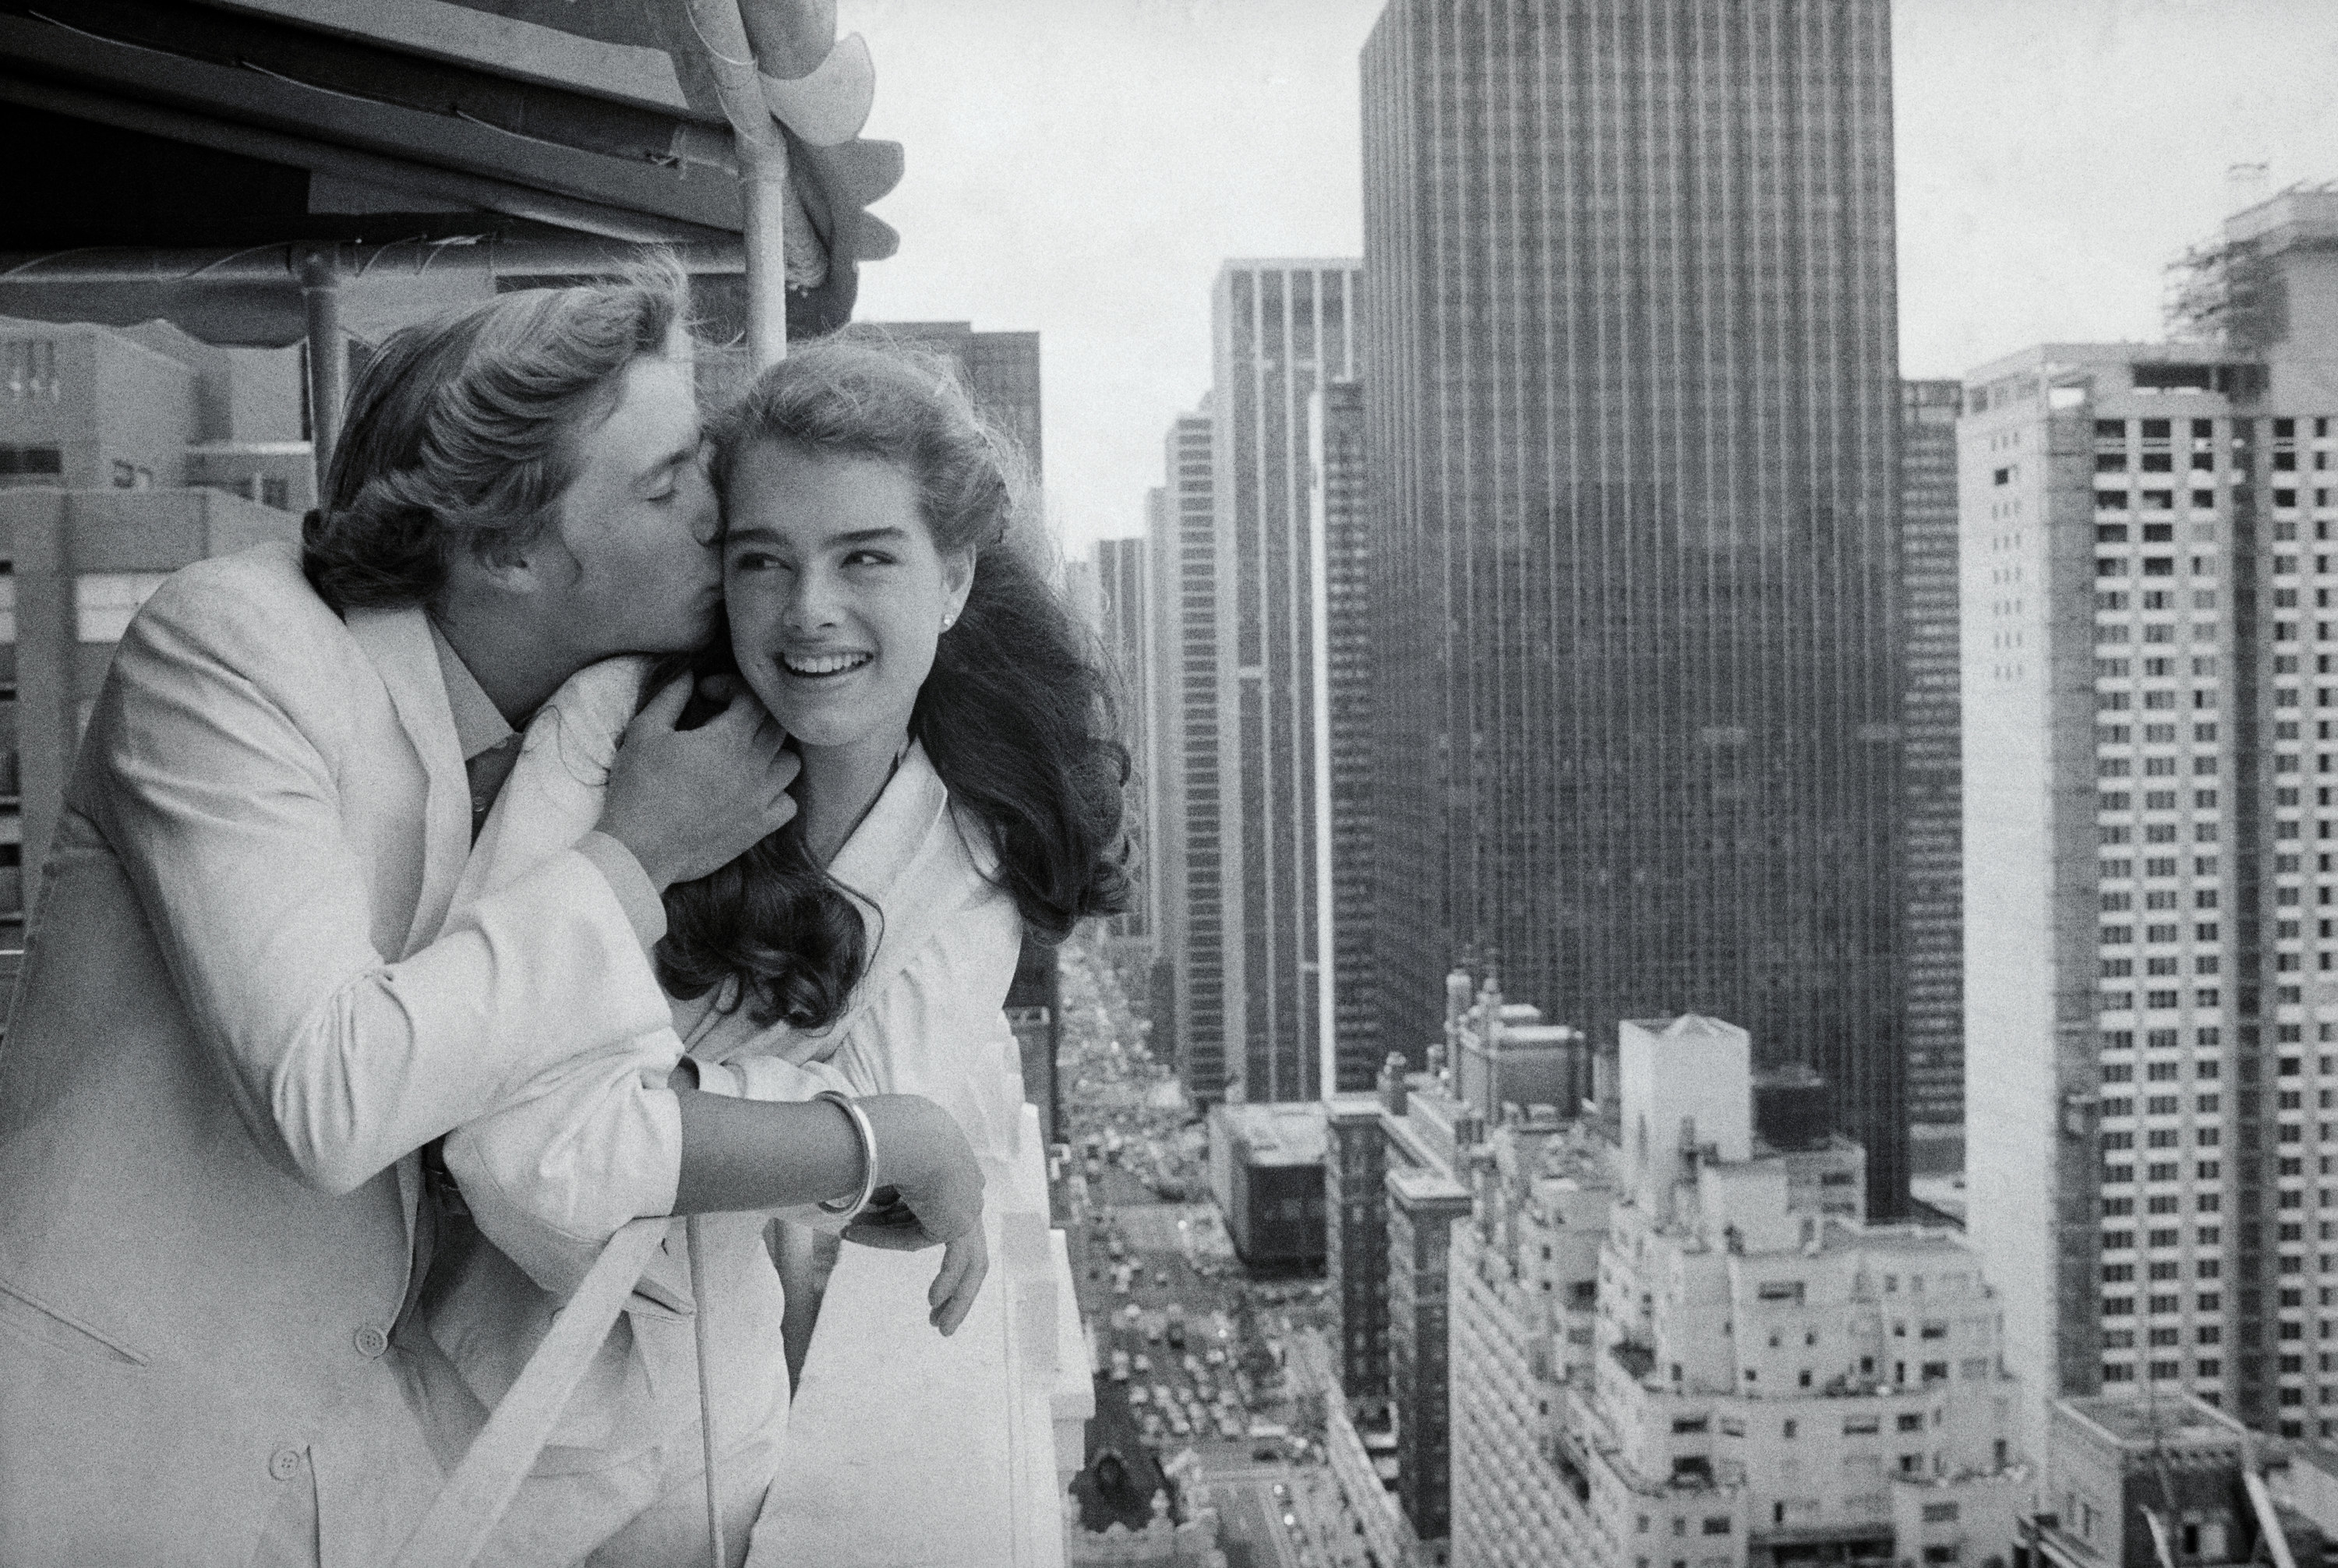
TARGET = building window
x,y
28,369
104,603
30,463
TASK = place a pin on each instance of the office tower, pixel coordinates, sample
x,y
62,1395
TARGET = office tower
x,y
1395,1188
1933,823
1355,1244
1000,370
1125,624
1187,859
1632,405
1340,530
1674,1338
2150,1018
1280,330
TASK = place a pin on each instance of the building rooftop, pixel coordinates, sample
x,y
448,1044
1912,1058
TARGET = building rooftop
x,y
1278,1133
1419,1187
2143,1424
1686,1025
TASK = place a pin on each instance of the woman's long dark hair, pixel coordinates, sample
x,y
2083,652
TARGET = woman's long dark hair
x,y
1016,713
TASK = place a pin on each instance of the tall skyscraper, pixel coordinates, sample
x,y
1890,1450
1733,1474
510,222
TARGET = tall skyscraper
x,y
2151,1016
1281,330
1631,387
1934,822
1125,623
1339,529
1187,858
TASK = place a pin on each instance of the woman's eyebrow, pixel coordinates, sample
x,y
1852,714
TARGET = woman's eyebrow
x,y
855,536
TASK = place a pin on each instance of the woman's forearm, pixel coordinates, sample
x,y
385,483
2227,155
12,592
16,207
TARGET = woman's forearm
x,y
744,1154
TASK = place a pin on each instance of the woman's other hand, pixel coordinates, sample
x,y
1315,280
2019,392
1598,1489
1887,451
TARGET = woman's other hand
x,y
935,1189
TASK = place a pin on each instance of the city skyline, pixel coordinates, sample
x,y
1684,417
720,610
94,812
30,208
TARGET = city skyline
x,y
2049,169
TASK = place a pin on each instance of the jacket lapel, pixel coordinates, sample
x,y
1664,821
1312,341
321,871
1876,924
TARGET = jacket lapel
x,y
397,641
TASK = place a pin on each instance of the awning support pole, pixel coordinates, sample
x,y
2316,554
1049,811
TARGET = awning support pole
x,y
763,158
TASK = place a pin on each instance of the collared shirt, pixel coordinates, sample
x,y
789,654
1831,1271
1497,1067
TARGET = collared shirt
x,y
491,747
489,743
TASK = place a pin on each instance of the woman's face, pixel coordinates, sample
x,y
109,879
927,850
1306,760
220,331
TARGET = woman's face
x,y
837,594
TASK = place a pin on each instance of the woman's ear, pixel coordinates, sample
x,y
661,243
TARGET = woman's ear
x,y
957,581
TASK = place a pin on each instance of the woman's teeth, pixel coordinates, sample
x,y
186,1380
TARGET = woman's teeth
x,y
823,663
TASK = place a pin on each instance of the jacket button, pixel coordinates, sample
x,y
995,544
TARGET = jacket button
x,y
372,1341
284,1463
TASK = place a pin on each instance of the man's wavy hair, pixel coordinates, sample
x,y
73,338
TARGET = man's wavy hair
x,y
1016,714
462,431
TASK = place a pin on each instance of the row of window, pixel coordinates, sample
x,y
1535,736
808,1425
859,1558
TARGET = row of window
x,y
2123,936
2164,1305
2122,1173
2153,669
2243,430
2162,1371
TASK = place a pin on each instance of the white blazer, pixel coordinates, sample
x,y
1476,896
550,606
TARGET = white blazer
x,y
239,1017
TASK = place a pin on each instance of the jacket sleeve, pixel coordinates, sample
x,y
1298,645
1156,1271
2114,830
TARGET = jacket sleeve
x,y
595,1142
226,818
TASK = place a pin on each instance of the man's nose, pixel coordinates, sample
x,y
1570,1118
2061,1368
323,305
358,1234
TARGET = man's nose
x,y
706,521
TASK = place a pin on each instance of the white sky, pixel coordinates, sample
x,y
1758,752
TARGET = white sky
x,y
1081,167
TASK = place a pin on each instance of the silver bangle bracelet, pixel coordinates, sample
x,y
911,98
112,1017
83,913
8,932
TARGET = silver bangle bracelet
x,y
868,1136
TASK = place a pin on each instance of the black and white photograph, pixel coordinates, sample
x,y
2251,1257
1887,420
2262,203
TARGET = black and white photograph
x,y
1168,783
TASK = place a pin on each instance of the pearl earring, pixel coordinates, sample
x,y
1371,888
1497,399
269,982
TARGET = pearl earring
x,y
947,622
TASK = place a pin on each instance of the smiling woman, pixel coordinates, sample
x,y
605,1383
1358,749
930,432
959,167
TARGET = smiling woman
x,y
838,596
886,587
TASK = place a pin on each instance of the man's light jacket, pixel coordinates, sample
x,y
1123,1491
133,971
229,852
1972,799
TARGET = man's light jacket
x,y
238,1018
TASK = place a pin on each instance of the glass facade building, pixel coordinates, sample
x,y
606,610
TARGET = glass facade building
x,y
1632,400
1282,328
1125,625
1935,941
1341,532
1186,857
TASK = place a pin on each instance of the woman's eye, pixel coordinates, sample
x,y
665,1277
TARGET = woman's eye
x,y
868,558
750,561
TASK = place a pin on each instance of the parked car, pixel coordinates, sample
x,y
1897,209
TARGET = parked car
x,y
1138,1394
1120,1366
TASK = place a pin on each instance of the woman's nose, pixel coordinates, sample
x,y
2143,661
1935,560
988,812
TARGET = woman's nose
x,y
811,605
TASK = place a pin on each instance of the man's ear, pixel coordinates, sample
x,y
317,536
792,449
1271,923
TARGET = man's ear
x,y
503,567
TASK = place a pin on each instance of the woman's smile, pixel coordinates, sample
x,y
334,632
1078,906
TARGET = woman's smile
x,y
822,666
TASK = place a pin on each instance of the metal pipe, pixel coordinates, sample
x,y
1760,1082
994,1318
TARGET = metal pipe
x,y
281,262
329,359
766,189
